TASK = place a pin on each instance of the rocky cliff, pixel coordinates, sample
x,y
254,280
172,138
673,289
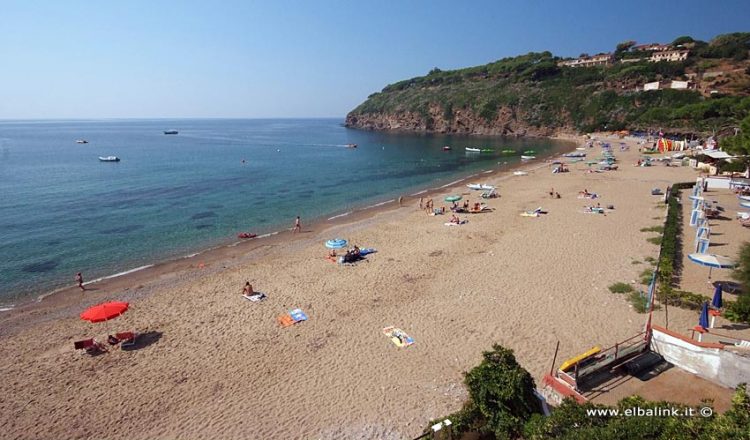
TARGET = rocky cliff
x,y
462,121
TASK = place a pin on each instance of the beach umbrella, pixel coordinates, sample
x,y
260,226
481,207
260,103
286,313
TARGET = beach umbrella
x,y
716,302
336,243
703,319
712,261
104,312
452,199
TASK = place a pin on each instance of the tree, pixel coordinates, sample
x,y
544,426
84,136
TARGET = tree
x,y
739,145
503,392
624,46
683,40
434,71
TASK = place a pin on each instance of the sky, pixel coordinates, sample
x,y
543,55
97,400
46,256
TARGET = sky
x,y
78,59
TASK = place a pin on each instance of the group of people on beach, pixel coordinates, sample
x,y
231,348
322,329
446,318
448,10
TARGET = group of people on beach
x,y
428,206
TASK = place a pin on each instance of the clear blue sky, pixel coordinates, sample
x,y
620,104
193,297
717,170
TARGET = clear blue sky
x,y
110,59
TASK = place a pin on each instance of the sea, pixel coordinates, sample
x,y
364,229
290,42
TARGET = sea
x,y
63,211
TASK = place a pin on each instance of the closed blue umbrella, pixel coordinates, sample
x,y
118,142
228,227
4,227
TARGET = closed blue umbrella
x,y
716,302
703,320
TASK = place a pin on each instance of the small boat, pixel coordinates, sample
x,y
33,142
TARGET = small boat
x,y
480,186
472,150
508,151
447,148
528,157
520,173
581,148
351,145
574,155
529,152
109,158
487,150
170,132
81,141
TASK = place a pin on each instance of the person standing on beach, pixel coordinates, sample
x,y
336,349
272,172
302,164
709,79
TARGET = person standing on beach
x,y
79,281
400,200
297,226
421,203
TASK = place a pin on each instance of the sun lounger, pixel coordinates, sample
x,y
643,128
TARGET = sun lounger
x,y
398,336
91,346
742,344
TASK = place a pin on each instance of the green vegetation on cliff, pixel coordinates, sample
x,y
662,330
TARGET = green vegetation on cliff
x,y
533,90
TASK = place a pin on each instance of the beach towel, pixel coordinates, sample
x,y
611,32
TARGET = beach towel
x,y
530,214
463,222
398,336
298,315
593,210
255,297
367,251
285,320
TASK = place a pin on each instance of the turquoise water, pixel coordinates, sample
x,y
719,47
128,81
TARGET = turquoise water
x,y
63,211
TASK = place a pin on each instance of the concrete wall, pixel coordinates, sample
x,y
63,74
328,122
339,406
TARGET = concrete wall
x,y
651,86
706,360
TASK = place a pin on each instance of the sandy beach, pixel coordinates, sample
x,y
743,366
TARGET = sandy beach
x,y
213,365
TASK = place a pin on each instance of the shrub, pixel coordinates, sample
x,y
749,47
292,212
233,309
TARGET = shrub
x,y
658,229
739,311
655,240
621,288
639,302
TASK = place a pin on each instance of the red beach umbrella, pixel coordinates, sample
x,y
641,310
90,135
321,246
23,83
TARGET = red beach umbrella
x,y
105,311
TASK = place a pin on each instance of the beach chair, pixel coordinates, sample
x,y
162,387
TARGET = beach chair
x,y
90,346
127,339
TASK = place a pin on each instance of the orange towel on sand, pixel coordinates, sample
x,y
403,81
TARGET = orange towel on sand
x,y
285,320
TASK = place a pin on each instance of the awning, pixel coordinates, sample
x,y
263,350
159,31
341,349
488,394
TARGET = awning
x,y
714,154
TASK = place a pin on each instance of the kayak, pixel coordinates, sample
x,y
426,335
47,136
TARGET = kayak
x,y
528,157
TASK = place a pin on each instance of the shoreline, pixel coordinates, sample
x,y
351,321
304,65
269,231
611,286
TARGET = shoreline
x,y
144,276
206,354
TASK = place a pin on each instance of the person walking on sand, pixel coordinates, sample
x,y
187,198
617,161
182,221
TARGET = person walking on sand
x,y
297,226
400,200
79,281
421,203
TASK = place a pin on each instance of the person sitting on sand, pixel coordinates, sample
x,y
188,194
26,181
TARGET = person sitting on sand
x,y
477,206
248,289
332,254
356,251
557,195
455,219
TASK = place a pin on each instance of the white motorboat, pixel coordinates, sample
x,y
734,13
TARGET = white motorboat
x,y
480,186
528,157
473,150
109,158
81,141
